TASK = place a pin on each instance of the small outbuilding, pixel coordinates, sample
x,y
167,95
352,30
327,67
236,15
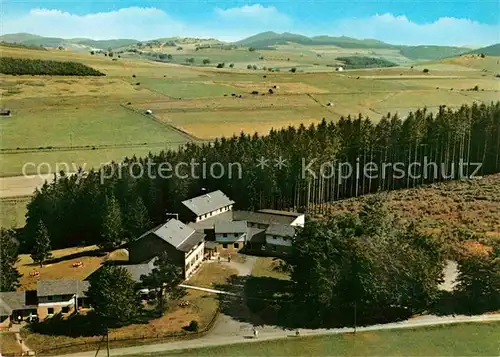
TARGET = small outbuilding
x,y
5,112
149,111
340,69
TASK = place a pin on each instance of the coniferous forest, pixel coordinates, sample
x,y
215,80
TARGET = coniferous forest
x,y
74,208
25,66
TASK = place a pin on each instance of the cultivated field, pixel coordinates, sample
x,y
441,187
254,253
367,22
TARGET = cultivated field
x,y
90,121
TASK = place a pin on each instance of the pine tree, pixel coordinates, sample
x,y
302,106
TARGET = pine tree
x,y
9,275
137,221
42,247
164,279
111,224
113,295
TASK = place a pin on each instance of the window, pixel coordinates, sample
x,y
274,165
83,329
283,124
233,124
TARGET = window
x,y
224,234
50,310
236,235
273,248
224,246
236,245
65,309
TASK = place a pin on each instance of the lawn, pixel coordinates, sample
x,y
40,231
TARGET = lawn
x,y
267,267
473,339
62,268
12,212
8,344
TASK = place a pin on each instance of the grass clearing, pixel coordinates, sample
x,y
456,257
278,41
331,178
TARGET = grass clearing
x,y
187,89
8,344
211,274
467,339
12,212
266,267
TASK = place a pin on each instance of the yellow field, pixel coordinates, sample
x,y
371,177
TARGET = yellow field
x,y
200,101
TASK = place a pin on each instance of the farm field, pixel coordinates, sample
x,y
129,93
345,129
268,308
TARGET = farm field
x,y
472,339
87,121
13,212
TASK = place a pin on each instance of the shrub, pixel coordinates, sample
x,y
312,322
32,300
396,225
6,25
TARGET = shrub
x,y
251,49
231,65
221,65
254,67
193,326
476,88
426,70
293,69
22,66
92,53
249,66
483,55
206,61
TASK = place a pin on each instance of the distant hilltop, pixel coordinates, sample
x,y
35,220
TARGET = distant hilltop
x,y
265,40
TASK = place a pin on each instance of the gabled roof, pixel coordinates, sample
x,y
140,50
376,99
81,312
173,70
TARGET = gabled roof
x,y
281,230
207,203
211,221
12,300
137,270
176,233
61,287
256,235
191,242
262,218
281,213
231,227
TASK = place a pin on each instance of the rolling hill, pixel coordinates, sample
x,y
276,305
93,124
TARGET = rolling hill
x,y
82,44
269,39
493,50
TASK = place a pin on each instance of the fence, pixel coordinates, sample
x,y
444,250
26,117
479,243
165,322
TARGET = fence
x,y
150,338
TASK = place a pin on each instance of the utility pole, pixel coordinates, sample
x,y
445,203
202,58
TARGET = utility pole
x,y
354,316
107,340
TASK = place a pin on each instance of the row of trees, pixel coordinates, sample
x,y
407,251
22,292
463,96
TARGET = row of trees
x,y
365,262
73,208
22,66
371,267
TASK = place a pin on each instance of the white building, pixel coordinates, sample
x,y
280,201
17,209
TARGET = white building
x,y
207,205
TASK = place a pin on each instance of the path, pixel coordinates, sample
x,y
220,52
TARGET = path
x,y
245,336
25,349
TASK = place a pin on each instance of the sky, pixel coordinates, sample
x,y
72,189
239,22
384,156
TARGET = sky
x,y
407,22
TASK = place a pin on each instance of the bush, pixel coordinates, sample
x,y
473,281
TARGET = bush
x,y
293,69
92,53
254,67
21,66
221,65
483,55
249,66
231,65
193,326
426,70
206,61
251,49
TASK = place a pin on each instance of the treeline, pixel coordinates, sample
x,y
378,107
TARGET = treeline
x,y
23,66
354,62
371,268
20,45
315,171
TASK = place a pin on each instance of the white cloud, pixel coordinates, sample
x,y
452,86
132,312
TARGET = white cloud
x,y
235,23
400,30
133,22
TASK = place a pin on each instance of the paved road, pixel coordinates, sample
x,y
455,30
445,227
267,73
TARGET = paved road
x,y
211,340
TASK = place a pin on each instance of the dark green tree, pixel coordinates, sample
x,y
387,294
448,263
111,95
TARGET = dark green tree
x,y
478,282
9,275
111,224
164,278
137,221
42,247
113,296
